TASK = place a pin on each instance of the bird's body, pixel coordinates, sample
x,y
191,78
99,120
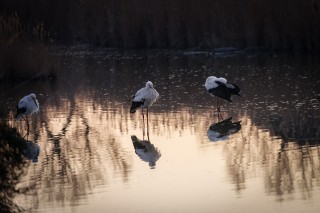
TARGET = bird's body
x,y
221,88
27,106
144,97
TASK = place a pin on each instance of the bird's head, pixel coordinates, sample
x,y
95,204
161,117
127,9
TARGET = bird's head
x,y
32,95
149,84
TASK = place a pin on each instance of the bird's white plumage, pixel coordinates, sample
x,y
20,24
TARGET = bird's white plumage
x,y
222,80
147,94
29,103
211,83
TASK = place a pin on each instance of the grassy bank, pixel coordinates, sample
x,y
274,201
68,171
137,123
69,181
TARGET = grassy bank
x,y
276,24
24,53
12,166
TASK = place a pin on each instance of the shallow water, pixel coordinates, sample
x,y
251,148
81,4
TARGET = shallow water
x,y
87,161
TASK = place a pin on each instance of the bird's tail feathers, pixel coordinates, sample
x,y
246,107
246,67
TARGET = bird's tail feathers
x,y
135,105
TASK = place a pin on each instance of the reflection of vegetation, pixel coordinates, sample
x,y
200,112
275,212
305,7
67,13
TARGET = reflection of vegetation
x,y
301,130
293,168
12,166
76,156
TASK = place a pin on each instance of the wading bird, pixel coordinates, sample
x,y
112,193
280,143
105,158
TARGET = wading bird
x,y
144,98
27,106
221,88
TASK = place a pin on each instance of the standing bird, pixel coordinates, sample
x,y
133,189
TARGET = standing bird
x,y
27,106
144,98
221,88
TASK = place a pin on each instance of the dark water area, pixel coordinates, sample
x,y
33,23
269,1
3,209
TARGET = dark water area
x,y
265,156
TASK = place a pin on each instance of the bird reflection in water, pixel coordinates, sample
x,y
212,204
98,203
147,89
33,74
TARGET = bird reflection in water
x,y
146,151
31,151
222,129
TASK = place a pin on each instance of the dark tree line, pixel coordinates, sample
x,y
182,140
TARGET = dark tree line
x,y
276,24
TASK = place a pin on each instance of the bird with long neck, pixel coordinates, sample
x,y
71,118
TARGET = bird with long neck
x,y
144,98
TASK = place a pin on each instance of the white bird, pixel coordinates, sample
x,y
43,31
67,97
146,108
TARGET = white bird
x,y
27,106
221,88
144,98
146,151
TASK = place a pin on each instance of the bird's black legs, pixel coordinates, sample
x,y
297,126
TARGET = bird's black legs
x,y
28,129
148,124
27,124
219,104
142,116
143,123
144,126
148,119
26,119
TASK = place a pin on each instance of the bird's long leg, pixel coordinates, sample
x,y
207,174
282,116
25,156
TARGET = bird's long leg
x,y
142,123
220,101
148,124
27,125
218,106
147,120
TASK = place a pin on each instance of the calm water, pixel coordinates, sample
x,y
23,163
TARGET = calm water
x,y
87,161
